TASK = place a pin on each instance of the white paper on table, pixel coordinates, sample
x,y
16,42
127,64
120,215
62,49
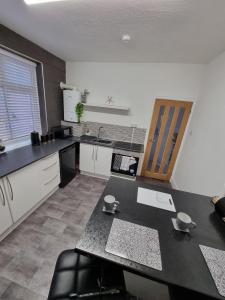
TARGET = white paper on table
x,y
155,199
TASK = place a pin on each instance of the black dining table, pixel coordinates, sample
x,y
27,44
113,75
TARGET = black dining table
x,y
183,264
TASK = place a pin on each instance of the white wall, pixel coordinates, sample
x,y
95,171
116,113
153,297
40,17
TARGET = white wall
x,y
135,85
201,167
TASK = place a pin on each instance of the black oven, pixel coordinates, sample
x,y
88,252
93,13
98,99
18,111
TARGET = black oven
x,y
124,164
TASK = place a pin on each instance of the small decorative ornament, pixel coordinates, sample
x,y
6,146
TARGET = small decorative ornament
x,y
109,100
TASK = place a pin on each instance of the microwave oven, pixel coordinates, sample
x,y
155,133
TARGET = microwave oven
x,y
62,132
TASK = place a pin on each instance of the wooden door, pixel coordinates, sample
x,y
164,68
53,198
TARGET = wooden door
x,y
168,125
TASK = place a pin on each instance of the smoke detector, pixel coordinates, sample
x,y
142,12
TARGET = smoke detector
x,y
126,38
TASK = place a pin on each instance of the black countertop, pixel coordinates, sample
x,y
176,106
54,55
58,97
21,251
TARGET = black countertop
x,y
183,264
14,160
130,147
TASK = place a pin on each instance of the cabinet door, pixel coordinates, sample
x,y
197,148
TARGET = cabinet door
x,y
5,216
87,158
23,189
103,159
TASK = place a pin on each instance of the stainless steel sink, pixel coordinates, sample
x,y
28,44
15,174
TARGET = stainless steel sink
x,y
94,139
102,141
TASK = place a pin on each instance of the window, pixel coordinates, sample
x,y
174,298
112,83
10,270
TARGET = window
x,y
19,102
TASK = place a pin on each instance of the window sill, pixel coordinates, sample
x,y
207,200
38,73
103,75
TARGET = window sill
x,y
11,145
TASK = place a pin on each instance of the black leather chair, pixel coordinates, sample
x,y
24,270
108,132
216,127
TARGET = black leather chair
x,y
82,277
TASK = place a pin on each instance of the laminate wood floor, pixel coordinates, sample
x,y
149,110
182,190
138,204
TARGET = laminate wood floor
x,y
28,255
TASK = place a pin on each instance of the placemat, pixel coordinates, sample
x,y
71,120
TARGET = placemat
x,y
215,260
136,243
155,199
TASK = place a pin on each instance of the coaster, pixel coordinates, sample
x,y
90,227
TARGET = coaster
x,y
113,211
174,221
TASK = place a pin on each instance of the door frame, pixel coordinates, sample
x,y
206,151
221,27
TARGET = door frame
x,y
158,103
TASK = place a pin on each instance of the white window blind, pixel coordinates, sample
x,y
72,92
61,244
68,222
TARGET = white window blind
x,y
19,102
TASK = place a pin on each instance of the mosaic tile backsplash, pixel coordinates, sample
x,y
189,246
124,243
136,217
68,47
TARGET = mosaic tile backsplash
x,y
112,132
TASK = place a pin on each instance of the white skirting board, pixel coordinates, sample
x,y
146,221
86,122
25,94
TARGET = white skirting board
x,y
173,183
94,175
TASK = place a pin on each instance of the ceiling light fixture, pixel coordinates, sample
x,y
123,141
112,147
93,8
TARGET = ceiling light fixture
x,y
126,38
30,2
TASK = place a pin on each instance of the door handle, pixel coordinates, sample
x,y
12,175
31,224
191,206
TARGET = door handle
x,y
3,196
10,187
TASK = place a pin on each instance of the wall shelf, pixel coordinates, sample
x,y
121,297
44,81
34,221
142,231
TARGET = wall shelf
x,y
107,108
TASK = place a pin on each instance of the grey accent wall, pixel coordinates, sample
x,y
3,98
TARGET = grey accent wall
x,y
54,70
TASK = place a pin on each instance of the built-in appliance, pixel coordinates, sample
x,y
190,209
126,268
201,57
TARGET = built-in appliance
x,y
67,158
62,132
124,163
70,100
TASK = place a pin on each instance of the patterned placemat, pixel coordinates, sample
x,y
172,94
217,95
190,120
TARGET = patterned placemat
x,y
136,243
215,260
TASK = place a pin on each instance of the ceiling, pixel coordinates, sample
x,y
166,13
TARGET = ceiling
x,y
188,31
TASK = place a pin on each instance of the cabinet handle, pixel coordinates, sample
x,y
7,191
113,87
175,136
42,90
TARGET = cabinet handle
x,y
46,183
49,166
96,153
11,190
3,196
93,153
47,157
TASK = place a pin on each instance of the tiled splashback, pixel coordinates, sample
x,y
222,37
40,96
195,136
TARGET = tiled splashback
x,y
112,132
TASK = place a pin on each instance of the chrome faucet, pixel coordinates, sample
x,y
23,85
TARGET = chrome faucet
x,y
99,130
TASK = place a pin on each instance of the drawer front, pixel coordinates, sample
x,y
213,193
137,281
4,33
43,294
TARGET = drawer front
x,y
49,185
47,162
49,172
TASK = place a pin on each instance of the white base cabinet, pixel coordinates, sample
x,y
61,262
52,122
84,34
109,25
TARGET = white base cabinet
x,y
22,190
5,216
87,163
103,160
49,174
95,159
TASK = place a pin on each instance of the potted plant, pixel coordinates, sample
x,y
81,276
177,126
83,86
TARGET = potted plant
x,y
79,111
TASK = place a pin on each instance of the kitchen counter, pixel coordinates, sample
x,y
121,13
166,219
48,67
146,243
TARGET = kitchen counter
x,y
182,260
131,147
16,159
